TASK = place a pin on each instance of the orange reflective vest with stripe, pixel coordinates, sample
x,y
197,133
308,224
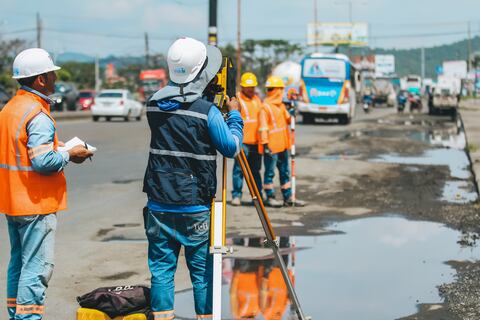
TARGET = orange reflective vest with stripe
x,y
250,111
274,123
22,190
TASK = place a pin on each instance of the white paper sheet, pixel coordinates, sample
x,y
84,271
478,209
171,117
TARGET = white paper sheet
x,y
75,142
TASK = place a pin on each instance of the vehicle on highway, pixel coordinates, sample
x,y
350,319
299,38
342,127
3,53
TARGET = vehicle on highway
x,y
367,101
65,97
413,84
116,103
326,89
445,96
4,97
85,99
415,102
384,92
402,98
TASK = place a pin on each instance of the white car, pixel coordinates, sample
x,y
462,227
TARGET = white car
x,y
116,103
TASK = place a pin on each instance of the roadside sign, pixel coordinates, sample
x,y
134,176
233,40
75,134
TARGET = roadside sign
x,y
334,34
384,64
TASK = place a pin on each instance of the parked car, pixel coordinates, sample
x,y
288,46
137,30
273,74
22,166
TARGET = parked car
x,y
86,98
116,103
65,96
4,97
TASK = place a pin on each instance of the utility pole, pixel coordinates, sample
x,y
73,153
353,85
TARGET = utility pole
x,y
469,59
39,31
239,41
212,22
422,57
147,51
315,26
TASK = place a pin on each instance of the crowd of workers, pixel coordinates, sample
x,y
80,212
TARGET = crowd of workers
x,y
180,178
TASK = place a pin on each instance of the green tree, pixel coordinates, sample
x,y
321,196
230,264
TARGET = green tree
x,y
64,75
8,50
81,73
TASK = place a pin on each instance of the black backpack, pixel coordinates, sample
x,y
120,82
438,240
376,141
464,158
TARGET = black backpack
x,y
118,301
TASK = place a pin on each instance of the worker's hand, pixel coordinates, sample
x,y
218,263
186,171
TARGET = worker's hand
x,y
61,144
233,104
79,153
266,150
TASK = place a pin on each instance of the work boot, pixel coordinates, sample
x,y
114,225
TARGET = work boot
x,y
298,203
272,202
236,202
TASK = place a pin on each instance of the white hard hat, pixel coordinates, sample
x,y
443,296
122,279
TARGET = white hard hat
x,y
185,59
32,62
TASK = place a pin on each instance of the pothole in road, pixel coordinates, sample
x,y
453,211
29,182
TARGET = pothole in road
x,y
119,276
125,181
374,268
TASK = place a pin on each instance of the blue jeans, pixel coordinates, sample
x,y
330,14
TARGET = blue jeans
x,y
281,161
255,162
32,241
166,233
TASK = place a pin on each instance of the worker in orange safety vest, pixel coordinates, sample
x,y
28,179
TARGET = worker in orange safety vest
x,y
251,105
32,183
275,142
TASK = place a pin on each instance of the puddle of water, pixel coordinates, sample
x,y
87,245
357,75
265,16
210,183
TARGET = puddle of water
x,y
375,268
459,192
456,160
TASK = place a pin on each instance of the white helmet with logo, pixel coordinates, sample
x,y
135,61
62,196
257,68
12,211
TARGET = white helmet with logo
x,y
185,59
32,62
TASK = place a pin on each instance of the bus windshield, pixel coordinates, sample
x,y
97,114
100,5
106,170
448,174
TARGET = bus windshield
x,y
325,68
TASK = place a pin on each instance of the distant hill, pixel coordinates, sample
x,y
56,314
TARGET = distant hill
x,y
73,56
409,61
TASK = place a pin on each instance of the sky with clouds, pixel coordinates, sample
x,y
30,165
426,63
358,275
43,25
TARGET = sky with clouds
x,y
117,26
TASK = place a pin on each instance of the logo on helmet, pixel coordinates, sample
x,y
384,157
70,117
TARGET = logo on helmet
x,y
180,70
16,71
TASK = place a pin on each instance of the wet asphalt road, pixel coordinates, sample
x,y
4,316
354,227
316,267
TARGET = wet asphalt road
x,y
106,193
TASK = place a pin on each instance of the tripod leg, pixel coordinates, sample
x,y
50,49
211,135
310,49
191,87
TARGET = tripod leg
x,y
267,227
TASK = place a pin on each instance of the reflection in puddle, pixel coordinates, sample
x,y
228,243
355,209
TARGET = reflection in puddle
x,y
456,160
376,268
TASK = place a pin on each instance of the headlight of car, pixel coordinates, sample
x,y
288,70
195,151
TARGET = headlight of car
x,y
58,100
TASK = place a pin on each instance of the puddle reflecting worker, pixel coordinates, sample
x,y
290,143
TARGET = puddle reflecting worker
x,y
275,143
180,180
251,104
32,182
257,286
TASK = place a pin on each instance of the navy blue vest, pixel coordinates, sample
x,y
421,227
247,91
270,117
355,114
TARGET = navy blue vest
x,y
182,163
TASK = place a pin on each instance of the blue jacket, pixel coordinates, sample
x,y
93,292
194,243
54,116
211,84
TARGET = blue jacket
x,y
226,137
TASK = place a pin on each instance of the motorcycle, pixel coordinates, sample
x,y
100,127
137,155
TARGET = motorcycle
x,y
401,101
367,103
415,102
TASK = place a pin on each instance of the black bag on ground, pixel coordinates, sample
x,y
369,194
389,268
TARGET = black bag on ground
x,y
117,301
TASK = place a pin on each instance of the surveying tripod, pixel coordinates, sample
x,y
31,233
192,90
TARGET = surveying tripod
x,y
218,237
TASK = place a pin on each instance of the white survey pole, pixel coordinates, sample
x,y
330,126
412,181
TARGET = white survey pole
x,y
217,260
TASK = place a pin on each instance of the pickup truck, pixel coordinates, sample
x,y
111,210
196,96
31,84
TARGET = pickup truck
x,y
445,96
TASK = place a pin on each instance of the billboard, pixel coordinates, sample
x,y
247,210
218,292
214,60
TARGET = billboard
x,y
335,34
384,64
455,69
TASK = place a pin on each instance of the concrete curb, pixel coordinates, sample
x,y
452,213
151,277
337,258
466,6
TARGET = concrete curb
x,y
71,115
470,117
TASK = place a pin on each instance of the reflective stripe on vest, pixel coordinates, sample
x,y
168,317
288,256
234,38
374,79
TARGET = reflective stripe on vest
x,y
274,120
180,112
181,154
17,136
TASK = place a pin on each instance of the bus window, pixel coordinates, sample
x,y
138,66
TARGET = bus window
x,y
324,68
